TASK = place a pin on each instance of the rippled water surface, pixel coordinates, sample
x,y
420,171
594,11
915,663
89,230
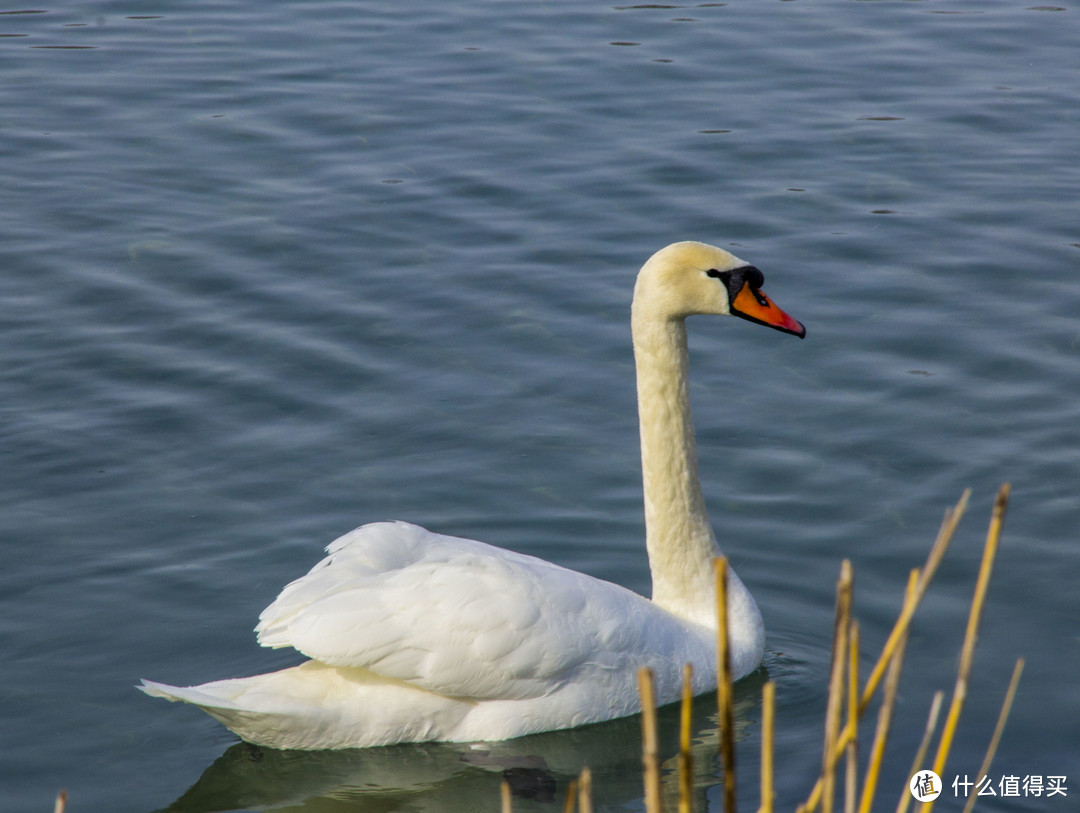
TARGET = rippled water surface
x,y
272,270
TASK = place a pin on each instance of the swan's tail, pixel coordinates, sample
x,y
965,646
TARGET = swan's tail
x,y
314,706
214,698
187,694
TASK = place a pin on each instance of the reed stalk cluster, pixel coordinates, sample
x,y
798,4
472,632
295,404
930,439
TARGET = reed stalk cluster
x,y
846,707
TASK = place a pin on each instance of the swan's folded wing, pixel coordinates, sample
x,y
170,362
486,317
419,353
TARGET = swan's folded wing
x,y
450,615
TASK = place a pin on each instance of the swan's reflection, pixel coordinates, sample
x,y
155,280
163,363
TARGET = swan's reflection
x,y
459,777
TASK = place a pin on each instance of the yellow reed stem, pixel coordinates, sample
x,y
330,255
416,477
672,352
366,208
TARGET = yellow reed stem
x,y
724,693
504,795
1006,707
768,723
571,797
585,804
885,712
851,780
686,759
971,636
924,745
836,685
650,748
937,553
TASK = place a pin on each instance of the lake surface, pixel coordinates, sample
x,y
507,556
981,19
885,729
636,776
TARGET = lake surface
x,y
269,271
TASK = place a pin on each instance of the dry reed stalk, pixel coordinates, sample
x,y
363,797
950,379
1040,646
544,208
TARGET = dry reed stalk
x,y
1006,706
571,797
924,744
504,795
61,802
888,703
926,574
650,748
836,686
768,722
686,759
724,692
585,791
937,552
971,636
851,779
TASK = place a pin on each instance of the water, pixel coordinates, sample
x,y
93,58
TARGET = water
x,y
274,270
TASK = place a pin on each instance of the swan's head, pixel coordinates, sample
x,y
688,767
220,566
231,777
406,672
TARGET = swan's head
x,y
690,278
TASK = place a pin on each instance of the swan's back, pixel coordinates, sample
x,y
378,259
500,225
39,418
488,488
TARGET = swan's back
x,y
460,617
417,636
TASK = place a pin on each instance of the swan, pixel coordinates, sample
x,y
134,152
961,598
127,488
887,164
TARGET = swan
x,y
415,636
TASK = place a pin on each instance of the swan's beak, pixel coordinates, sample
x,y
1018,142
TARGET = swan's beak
x,y
754,306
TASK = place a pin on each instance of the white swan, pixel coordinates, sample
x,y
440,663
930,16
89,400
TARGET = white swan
x,y
415,636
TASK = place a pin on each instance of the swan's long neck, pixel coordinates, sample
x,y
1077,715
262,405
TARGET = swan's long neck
x,y
678,535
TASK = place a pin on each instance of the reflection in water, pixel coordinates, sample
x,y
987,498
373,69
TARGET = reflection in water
x,y
462,776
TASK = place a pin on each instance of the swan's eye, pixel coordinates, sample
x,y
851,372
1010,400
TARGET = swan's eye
x,y
712,272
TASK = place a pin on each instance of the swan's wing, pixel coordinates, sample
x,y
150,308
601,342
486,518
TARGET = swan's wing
x,y
450,615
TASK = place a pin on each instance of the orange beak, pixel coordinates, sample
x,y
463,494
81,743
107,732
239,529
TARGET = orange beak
x,y
754,306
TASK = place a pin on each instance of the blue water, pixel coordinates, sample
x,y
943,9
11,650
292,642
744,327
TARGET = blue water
x,y
273,270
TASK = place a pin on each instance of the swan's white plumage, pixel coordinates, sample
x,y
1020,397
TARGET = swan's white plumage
x,y
454,616
417,636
